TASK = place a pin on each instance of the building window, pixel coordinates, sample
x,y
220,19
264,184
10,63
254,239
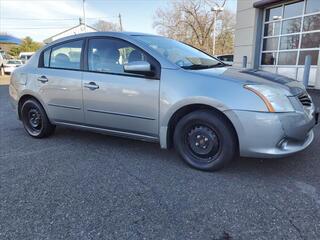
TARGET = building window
x,y
289,42
273,14
311,23
291,26
272,29
269,58
312,6
314,56
287,58
293,9
311,40
270,44
291,32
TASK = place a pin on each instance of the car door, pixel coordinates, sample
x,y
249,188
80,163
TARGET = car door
x,y
60,82
117,100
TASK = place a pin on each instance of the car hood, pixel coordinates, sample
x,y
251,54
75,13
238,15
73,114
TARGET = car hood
x,y
256,76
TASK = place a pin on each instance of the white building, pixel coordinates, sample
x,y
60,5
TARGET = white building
x,y
81,28
277,35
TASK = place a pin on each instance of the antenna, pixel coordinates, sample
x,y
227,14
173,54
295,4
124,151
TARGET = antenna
x,y
120,22
84,15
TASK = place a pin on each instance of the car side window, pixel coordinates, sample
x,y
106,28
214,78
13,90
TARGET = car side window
x,y
109,55
230,58
46,57
66,56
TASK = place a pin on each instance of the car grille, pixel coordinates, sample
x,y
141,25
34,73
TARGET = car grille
x,y
305,99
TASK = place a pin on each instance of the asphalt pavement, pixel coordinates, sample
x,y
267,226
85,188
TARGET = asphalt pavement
x,y
82,185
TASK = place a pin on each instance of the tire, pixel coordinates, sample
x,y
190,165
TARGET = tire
x,y
35,120
205,140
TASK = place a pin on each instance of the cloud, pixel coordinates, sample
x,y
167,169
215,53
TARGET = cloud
x,y
13,11
46,9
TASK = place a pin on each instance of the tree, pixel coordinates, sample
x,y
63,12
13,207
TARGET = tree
x,y
27,45
192,22
105,26
225,38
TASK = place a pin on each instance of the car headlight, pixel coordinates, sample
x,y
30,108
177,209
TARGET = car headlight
x,y
275,99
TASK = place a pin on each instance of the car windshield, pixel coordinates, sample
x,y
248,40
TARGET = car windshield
x,y
179,53
14,62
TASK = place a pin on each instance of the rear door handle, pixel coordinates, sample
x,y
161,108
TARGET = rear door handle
x,y
42,79
91,85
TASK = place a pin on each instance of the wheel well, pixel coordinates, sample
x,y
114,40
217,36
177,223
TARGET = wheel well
x,y
175,118
22,100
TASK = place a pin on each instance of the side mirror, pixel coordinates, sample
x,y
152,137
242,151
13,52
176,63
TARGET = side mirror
x,y
138,67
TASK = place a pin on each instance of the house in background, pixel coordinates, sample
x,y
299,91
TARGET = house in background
x,y
81,28
277,35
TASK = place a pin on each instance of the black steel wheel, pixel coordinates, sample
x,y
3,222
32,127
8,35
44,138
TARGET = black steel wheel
x,y
35,120
205,140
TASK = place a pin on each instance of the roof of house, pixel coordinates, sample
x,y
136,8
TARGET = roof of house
x,y
50,39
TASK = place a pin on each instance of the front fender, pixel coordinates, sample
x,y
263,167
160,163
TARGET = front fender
x,y
172,109
201,100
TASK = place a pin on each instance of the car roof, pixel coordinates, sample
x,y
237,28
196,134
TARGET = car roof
x,y
101,34
122,35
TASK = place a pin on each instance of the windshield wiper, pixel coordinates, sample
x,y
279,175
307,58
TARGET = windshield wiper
x,y
201,66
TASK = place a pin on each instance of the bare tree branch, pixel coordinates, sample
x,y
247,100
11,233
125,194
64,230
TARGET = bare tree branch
x,y
192,21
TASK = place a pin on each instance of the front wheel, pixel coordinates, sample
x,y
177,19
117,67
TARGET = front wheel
x,y
35,120
205,140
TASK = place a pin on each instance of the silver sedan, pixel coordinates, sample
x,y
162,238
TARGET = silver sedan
x,y
153,88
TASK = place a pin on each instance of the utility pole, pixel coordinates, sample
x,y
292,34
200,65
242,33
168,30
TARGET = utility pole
x,y
84,15
216,10
120,22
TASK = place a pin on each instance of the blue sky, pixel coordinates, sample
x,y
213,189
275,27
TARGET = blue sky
x,y
41,19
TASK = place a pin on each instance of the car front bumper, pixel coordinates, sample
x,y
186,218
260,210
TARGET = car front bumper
x,y
269,135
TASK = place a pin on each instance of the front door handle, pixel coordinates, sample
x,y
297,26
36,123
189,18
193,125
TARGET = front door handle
x,y
42,79
91,85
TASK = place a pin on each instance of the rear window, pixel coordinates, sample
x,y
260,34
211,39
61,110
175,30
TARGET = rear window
x,y
64,56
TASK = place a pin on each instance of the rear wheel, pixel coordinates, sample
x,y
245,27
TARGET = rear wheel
x,y
35,120
205,140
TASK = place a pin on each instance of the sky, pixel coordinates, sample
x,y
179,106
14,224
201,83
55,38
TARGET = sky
x,y
41,19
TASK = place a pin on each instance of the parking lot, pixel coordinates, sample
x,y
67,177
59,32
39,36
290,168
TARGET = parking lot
x,y
81,185
4,80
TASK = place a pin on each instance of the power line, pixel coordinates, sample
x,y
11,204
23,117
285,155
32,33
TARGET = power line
x,y
47,19
52,19
61,27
